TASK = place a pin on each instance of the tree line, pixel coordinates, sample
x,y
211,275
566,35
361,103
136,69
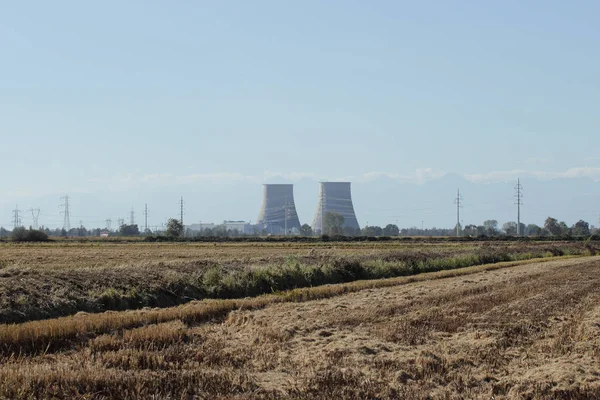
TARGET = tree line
x,y
333,225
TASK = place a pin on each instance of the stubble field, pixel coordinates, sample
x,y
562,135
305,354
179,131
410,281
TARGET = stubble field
x,y
523,328
39,281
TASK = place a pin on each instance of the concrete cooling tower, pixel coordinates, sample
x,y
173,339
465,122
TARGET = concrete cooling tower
x,y
335,197
278,210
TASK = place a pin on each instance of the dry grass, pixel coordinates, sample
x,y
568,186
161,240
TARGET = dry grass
x,y
54,334
519,330
40,281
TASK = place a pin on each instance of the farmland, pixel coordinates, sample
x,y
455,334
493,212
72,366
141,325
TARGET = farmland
x,y
40,281
523,324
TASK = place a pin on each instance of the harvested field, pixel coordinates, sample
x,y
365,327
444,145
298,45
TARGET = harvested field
x,y
39,281
524,331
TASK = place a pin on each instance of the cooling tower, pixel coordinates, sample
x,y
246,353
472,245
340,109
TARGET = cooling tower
x,y
278,200
335,197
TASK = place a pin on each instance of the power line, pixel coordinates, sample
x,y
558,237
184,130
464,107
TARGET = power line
x,y
66,212
35,213
519,203
16,217
458,202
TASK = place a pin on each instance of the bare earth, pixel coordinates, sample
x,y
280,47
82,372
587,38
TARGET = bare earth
x,y
531,331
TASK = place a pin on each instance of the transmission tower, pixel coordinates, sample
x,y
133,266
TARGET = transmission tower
x,y
458,202
35,213
519,203
66,212
16,217
181,210
108,224
121,222
146,218
131,217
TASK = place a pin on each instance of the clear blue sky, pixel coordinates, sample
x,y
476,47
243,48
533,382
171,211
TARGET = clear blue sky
x,y
107,95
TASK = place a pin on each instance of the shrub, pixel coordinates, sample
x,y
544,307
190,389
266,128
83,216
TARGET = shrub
x,y
23,235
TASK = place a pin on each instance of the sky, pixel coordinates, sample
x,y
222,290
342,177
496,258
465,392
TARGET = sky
x,y
114,101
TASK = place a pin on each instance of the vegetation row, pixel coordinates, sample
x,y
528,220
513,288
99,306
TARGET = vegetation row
x,y
17,340
159,285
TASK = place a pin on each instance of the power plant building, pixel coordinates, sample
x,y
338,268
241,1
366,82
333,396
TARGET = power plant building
x,y
278,212
335,197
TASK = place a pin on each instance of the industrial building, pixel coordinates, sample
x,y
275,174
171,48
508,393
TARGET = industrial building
x,y
200,227
278,212
335,197
242,227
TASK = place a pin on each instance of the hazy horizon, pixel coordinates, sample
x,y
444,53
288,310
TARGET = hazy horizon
x,y
121,104
377,201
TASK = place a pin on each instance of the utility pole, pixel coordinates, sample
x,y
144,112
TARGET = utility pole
x,y
16,217
181,210
323,210
108,224
285,216
66,212
458,202
35,213
131,217
519,203
145,218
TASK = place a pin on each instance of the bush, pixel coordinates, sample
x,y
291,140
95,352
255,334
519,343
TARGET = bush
x,y
23,235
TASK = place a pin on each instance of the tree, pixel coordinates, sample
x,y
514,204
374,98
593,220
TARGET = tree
x,y
470,230
491,227
350,231
372,231
23,235
510,228
19,234
391,230
564,228
552,226
306,230
129,230
533,230
174,228
333,223
581,228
